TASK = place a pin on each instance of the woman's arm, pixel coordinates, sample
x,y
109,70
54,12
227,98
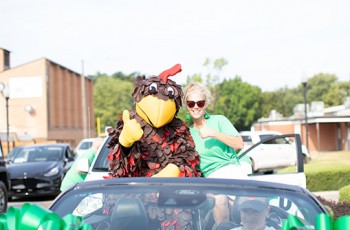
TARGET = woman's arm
x,y
235,142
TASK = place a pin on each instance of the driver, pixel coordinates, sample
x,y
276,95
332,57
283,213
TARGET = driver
x,y
254,212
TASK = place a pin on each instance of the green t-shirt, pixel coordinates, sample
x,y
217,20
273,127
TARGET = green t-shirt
x,y
213,153
72,176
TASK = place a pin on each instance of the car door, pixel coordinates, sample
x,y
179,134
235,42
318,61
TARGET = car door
x,y
267,155
69,158
295,178
277,152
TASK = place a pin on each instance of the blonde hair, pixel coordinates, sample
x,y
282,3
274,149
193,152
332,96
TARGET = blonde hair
x,y
196,87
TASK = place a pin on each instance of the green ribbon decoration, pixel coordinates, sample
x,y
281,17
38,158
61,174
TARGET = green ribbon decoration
x,y
292,223
34,217
323,222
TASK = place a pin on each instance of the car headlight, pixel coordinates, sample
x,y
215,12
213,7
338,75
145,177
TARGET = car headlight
x,y
52,172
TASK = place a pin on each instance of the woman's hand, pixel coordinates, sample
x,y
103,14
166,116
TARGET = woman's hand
x,y
235,142
205,132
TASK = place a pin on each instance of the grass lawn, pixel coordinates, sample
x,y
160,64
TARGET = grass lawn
x,y
326,160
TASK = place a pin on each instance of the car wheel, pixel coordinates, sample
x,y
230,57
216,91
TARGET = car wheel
x,y
305,159
3,198
253,166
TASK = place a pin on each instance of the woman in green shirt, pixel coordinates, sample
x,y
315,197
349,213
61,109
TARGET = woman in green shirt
x,y
217,140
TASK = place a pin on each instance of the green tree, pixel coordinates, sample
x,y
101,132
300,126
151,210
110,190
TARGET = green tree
x,y
122,76
193,78
337,94
282,100
239,102
213,76
319,85
111,97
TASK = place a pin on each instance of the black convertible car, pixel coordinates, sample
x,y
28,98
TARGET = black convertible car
x,y
37,170
184,203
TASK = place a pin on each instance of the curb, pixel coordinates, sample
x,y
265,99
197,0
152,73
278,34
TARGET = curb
x,y
328,195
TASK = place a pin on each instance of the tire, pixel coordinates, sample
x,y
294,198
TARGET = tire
x,y
253,166
305,159
3,198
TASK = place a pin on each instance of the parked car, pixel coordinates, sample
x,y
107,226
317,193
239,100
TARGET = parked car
x,y
13,152
99,167
149,203
84,145
38,170
4,182
273,154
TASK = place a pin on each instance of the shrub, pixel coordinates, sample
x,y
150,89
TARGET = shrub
x,y
327,179
344,194
338,208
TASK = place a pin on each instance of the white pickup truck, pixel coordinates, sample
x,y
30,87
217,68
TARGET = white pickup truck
x,y
99,168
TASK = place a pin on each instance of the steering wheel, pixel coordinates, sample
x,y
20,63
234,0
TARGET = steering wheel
x,y
276,217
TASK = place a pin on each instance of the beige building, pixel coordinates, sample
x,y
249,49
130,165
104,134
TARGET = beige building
x,y
47,101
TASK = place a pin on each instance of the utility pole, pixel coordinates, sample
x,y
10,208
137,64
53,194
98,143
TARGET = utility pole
x,y
305,107
83,100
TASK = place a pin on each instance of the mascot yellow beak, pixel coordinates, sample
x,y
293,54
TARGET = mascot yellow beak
x,y
156,112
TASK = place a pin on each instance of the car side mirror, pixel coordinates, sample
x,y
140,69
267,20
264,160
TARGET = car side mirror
x,y
83,165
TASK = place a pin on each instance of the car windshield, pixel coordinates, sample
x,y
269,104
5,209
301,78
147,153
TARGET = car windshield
x,y
85,145
188,204
13,152
101,162
38,154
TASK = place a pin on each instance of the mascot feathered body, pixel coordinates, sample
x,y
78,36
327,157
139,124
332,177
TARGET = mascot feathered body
x,y
149,140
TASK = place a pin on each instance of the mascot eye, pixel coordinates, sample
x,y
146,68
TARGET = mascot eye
x,y
171,93
153,88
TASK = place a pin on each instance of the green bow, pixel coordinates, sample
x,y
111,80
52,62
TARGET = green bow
x,y
34,217
323,222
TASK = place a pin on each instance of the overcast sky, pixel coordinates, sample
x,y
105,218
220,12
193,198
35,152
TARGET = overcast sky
x,y
269,43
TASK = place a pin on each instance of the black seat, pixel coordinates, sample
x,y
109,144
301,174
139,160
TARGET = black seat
x,y
129,213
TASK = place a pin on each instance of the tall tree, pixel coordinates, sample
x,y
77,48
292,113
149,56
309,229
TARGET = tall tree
x,y
337,94
111,97
319,85
239,102
122,76
214,68
282,100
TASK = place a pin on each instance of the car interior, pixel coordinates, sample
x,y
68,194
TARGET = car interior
x,y
151,208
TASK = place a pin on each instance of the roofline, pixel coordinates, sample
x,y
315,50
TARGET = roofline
x,y
53,62
318,119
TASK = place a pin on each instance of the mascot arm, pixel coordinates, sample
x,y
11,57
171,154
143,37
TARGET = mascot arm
x,y
131,132
170,170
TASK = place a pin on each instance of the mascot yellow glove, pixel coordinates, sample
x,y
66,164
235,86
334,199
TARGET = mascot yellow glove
x,y
170,170
131,131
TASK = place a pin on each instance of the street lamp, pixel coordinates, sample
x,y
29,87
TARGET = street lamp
x,y
5,92
305,107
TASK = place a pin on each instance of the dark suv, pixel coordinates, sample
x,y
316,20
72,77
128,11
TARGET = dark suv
x,y
4,182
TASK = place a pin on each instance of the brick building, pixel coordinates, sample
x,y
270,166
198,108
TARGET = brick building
x,y
47,101
328,128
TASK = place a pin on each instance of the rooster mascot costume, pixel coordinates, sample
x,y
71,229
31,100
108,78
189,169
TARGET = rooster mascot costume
x,y
149,141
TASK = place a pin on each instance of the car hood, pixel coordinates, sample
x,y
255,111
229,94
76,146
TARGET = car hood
x,y
31,169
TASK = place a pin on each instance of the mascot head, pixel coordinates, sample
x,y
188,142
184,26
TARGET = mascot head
x,y
158,98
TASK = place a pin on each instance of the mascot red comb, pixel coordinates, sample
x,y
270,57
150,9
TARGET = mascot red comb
x,y
149,141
